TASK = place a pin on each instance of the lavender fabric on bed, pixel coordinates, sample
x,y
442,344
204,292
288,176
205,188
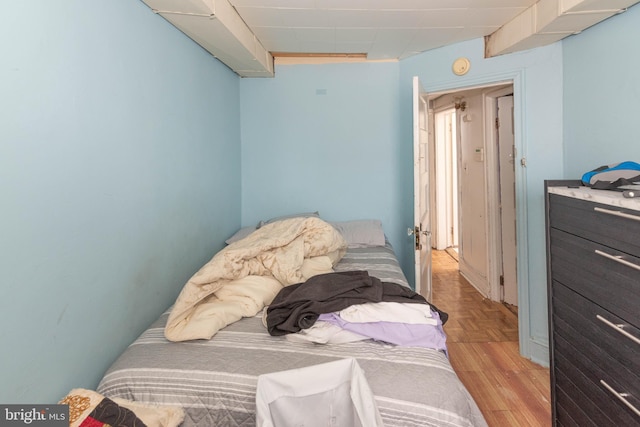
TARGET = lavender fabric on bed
x,y
402,334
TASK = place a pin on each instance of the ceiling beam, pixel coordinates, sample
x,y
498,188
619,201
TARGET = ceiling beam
x,y
548,21
218,28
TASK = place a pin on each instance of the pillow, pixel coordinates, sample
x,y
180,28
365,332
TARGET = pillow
x,y
280,218
240,234
361,233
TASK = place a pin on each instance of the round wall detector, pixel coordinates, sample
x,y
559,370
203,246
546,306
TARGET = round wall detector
x,y
461,66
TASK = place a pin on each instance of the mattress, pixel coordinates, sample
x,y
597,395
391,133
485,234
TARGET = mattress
x,y
215,380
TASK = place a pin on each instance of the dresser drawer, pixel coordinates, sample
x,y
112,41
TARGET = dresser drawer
x,y
582,403
588,351
611,226
587,268
576,403
586,326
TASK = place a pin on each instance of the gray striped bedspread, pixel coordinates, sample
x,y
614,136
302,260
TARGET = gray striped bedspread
x,y
215,380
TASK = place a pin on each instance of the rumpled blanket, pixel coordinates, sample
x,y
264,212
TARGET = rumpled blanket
x,y
246,275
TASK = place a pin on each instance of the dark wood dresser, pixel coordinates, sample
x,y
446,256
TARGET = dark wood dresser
x,y
593,267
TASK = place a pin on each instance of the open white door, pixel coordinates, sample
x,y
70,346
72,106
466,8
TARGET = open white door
x,y
506,147
421,212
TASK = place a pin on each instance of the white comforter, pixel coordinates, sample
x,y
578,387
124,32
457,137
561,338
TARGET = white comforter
x,y
246,275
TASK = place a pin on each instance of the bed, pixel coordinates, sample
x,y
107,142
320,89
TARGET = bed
x,y
214,379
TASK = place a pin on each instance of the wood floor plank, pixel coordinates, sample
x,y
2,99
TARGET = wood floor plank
x,y
482,339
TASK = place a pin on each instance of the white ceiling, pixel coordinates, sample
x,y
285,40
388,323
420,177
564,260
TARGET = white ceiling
x,y
382,29
247,34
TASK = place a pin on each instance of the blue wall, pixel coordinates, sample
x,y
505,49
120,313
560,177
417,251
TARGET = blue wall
x,y
324,137
602,94
119,178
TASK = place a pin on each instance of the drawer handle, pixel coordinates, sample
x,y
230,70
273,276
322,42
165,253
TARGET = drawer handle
x,y
618,259
618,328
617,213
621,396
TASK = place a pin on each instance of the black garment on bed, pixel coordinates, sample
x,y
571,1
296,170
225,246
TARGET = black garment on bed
x,y
298,306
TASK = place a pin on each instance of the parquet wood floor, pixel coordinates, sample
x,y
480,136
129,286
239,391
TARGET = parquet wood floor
x,y
482,338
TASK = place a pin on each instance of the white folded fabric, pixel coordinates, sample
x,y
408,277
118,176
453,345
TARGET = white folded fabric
x,y
325,333
389,312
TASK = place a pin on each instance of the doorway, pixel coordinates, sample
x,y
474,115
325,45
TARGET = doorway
x,y
446,188
474,185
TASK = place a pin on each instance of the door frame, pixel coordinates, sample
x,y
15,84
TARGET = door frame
x,y
529,346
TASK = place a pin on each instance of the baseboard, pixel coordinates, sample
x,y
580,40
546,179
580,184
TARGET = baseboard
x,y
538,352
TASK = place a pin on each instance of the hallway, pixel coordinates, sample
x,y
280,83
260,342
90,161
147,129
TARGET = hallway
x,y
482,338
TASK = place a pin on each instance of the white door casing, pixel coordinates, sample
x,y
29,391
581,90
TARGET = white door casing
x,y
421,212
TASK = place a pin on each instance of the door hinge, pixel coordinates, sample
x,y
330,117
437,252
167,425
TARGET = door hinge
x,y
497,123
501,280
